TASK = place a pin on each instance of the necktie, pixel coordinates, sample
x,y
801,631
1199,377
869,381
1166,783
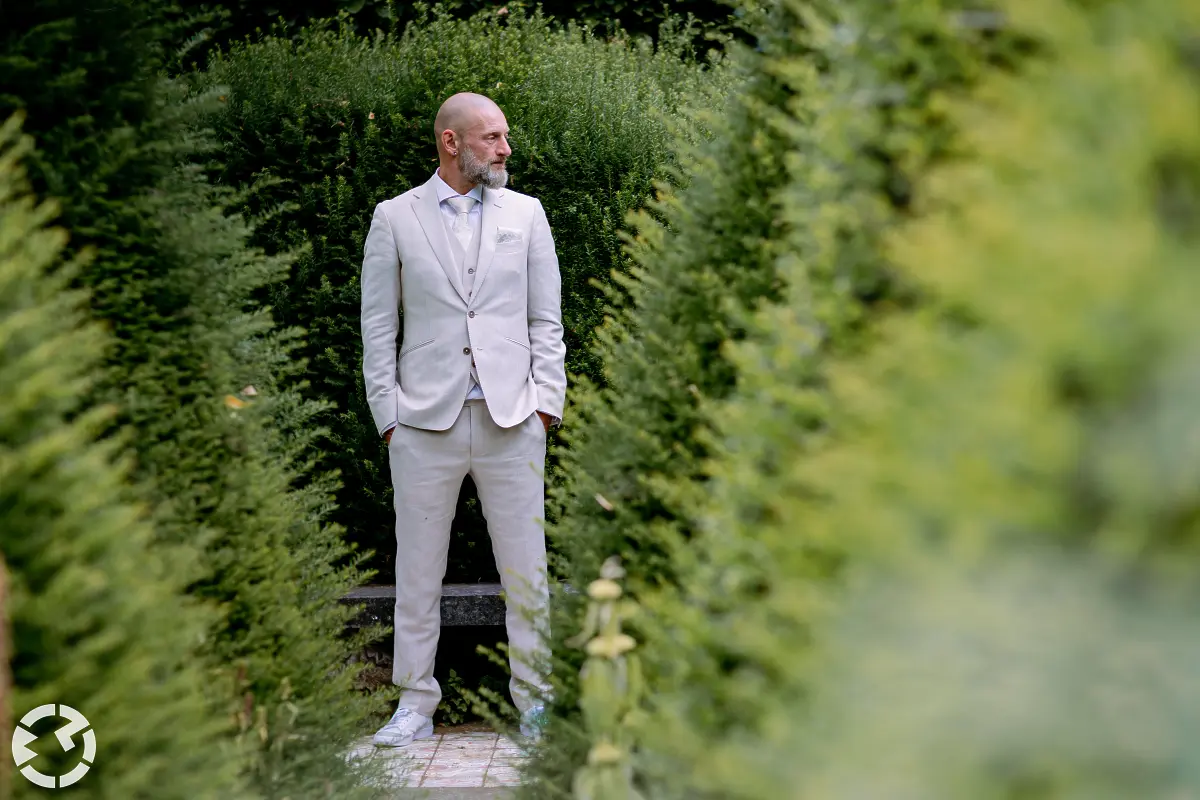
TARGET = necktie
x,y
462,224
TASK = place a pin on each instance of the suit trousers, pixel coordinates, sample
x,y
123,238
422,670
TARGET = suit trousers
x,y
507,466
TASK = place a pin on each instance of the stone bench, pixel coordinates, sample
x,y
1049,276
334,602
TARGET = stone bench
x,y
462,604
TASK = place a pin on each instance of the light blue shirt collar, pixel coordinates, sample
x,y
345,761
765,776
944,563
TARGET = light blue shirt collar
x,y
445,191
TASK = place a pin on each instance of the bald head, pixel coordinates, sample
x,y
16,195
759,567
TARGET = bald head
x,y
472,140
461,112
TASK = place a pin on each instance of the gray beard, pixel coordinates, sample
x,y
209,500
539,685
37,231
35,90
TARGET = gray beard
x,y
476,171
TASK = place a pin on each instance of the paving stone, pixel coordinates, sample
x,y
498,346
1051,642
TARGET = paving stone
x,y
458,760
502,776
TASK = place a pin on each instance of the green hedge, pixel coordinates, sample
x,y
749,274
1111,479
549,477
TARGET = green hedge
x,y
217,23
702,254
868,123
803,178
974,576
98,618
326,127
215,463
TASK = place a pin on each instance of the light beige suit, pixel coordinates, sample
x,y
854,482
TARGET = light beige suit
x,y
493,310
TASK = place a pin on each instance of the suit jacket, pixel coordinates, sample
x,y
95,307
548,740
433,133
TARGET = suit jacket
x,y
511,325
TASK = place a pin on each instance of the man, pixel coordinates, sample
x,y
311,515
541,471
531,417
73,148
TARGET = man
x,y
471,389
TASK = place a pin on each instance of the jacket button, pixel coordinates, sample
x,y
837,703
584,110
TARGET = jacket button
x,y
471,314
471,271
466,351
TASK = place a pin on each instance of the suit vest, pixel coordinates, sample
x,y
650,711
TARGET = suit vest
x,y
467,261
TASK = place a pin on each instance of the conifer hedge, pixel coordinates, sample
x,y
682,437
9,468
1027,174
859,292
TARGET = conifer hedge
x,y
951,555
804,178
219,22
326,126
1026,488
702,253
221,448
98,617
869,123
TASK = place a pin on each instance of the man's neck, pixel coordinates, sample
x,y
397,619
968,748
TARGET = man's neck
x,y
456,182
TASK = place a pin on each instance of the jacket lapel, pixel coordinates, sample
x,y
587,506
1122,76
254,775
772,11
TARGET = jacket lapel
x,y
430,216
487,234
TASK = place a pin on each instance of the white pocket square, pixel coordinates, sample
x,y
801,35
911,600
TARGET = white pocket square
x,y
506,235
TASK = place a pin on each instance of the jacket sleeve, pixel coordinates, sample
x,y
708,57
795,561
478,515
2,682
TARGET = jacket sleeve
x,y
380,321
546,344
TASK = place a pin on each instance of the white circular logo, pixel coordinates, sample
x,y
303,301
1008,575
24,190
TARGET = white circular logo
x,y
76,723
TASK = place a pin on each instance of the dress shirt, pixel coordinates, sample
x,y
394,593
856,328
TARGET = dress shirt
x,y
445,191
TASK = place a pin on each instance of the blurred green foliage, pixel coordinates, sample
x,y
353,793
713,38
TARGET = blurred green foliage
x,y
220,448
813,159
97,618
952,554
702,253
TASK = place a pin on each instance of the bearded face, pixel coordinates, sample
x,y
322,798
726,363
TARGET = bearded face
x,y
491,173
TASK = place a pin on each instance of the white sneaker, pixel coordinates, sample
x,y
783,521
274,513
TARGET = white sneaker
x,y
533,722
403,728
